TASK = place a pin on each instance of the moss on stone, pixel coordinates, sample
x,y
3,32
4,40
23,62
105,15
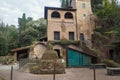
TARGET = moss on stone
x,y
50,55
111,63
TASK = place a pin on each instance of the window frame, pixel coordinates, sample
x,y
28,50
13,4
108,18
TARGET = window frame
x,y
82,37
71,37
58,34
83,5
68,15
55,14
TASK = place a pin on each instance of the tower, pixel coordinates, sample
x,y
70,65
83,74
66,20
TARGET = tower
x,y
83,18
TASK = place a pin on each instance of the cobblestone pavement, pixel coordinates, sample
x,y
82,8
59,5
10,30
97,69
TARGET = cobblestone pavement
x,y
71,74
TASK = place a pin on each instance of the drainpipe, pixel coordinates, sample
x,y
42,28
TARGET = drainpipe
x,y
76,25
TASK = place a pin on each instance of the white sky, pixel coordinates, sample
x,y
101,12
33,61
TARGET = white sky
x,y
10,10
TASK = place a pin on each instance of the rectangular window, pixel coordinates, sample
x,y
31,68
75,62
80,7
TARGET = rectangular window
x,y
81,37
83,5
56,35
71,35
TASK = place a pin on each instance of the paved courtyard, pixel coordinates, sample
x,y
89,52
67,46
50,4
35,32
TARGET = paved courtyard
x,y
71,74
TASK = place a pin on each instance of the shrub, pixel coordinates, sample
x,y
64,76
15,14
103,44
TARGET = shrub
x,y
8,60
111,63
35,69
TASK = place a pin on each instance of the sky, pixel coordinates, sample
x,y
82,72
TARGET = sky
x,y
10,10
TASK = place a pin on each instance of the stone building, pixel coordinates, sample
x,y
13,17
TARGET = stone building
x,y
72,23
66,28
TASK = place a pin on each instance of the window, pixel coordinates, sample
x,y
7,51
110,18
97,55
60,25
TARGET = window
x,y
71,35
55,14
56,35
83,5
81,37
84,16
68,15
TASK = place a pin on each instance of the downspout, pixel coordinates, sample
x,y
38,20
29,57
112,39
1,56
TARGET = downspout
x,y
76,23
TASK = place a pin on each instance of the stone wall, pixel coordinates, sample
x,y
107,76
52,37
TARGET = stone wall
x,y
37,51
64,26
84,25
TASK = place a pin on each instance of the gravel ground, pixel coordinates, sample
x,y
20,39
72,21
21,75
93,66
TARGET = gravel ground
x,y
71,74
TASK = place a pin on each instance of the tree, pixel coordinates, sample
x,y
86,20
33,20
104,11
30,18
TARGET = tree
x,y
30,31
39,26
96,4
8,38
22,26
109,16
66,3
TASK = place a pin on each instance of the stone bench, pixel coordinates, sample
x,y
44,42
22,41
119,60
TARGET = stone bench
x,y
113,71
98,66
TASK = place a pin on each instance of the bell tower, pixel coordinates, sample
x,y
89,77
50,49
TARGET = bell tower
x,y
83,17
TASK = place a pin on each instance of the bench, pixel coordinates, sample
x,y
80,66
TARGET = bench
x,y
98,66
113,71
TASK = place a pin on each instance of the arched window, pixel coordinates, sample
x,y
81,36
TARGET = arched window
x,y
84,16
68,15
55,14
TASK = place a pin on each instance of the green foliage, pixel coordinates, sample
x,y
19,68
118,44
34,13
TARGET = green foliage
x,y
49,46
65,3
64,42
96,4
50,55
30,31
91,51
7,60
35,69
109,16
111,63
22,26
8,38
116,47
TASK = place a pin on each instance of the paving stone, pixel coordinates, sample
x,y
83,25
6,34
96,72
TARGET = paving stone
x,y
71,74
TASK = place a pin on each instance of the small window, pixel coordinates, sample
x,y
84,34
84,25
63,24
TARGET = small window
x,y
55,14
83,5
68,15
71,35
81,37
84,16
56,35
